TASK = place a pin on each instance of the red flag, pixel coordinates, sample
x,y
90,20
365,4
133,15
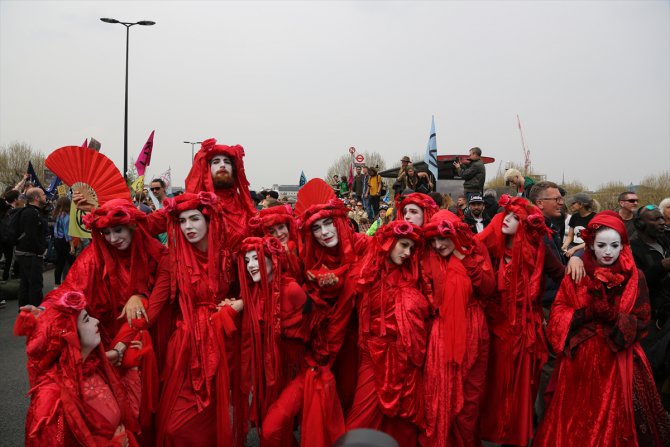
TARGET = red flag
x,y
145,156
350,180
85,145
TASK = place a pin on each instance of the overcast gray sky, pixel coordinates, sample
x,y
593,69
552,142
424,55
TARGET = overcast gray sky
x,y
298,83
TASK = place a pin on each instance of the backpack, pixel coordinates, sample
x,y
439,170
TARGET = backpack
x,y
10,232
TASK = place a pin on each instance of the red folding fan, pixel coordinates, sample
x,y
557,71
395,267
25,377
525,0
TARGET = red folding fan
x,y
89,172
314,192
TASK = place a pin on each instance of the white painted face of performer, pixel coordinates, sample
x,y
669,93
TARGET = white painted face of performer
x,y
444,246
607,246
510,224
119,236
195,227
253,267
89,333
325,233
401,251
280,231
413,214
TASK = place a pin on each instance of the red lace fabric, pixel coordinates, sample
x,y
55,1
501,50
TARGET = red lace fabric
x,y
602,370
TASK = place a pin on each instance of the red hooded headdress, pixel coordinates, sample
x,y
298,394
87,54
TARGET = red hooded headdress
x,y
423,201
54,354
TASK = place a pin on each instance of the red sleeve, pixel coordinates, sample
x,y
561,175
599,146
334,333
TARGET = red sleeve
x,y
292,304
156,222
480,271
133,385
45,422
160,295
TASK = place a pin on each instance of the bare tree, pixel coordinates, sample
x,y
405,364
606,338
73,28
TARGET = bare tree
x,y
14,160
341,165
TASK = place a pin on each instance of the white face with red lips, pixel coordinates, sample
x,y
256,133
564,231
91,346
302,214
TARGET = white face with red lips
x,y
325,233
401,251
510,224
413,214
280,231
87,327
444,246
220,162
118,237
607,246
254,268
194,225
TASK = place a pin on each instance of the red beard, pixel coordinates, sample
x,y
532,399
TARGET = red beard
x,y
223,180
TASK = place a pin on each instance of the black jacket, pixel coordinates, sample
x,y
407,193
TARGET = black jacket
x,y
34,231
649,260
472,223
474,175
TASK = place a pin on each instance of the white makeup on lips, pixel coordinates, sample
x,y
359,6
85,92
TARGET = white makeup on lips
x,y
607,246
510,224
413,214
325,233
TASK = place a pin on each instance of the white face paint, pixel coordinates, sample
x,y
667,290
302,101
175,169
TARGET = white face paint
x,y
325,233
413,214
401,251
510,224
280,231
194,225
220,162
444,246
87,327
119,236
607,246
253,268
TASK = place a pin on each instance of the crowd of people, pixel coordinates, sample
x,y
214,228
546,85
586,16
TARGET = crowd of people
x,y
440,323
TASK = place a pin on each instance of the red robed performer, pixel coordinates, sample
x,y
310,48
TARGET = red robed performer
x,y
278,221
604,392
194,407
77,396
392,315
458,278
272,323
518,347
417,208
328,252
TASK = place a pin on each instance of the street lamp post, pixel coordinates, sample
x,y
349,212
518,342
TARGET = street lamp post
x,y
192,143
125,120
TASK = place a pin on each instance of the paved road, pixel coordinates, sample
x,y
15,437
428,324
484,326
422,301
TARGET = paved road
x,y
13,376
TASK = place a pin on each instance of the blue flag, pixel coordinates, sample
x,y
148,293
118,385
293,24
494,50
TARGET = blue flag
x,y
431,150
33,177
303,179
51,190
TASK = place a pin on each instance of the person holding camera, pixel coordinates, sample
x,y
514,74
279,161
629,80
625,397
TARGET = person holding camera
x,y
474,173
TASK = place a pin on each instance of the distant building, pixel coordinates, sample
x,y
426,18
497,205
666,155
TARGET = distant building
x,y
290,191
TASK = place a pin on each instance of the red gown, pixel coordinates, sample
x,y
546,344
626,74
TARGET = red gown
x,y
604,393
196,377
455,377
392,340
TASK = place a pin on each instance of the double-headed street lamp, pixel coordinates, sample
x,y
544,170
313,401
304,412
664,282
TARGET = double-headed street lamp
x,y
192,143
125,122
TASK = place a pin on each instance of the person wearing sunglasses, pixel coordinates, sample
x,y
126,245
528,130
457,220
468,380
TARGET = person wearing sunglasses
x,y
628,203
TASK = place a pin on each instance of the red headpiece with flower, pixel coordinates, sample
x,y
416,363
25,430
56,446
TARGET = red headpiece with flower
x,y
423,201
262,303
54,350
376,261
446,224
310,251
266,218
115,278
200,178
